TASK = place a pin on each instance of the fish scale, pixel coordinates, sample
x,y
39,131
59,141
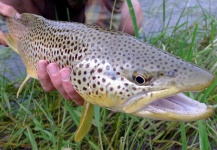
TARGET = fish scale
x,y
112,69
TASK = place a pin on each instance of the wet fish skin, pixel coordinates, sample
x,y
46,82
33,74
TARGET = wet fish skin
x,y
112,69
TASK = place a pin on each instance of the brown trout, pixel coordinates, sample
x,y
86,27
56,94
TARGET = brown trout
x,y
111,69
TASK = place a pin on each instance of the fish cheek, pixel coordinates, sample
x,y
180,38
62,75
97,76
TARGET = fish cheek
x,y
90,81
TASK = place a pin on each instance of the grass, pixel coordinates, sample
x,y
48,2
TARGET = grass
x,y
39,120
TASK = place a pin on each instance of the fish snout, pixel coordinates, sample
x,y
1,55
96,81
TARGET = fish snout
x,y
191,78
182,76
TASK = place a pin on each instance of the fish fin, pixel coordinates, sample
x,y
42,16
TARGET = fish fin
x,y
22,85
9,41
85,121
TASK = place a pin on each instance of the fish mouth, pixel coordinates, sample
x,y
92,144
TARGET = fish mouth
x,y
169,103
178,107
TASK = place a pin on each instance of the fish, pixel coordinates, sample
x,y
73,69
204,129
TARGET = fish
x,y
111,69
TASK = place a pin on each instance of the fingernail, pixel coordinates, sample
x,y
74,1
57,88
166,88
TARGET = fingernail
x,y
65,75
42,66
53,69
17,16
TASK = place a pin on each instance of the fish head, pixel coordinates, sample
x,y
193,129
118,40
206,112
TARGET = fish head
x,y
147,82
157,79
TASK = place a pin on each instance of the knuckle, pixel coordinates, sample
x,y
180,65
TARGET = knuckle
x,y
57,85
42,77
71,91
47,87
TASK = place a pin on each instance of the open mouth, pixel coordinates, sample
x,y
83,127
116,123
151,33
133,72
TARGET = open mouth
x,y
177,107
179,104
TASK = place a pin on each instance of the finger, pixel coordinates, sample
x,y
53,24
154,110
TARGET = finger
x,y
67,85
2,37
7,10
2,42
44,77
53,71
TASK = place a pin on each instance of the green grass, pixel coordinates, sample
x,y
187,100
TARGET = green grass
x,y
39,120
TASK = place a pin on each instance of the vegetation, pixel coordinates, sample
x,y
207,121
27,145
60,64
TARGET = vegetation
x,y
39,120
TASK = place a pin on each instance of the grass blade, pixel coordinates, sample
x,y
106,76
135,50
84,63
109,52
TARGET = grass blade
x,y
183,135
31,138
133,18
204,141
209,89
190,51
98,124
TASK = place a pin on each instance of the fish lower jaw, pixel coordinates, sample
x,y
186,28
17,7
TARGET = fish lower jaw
x,y
176,108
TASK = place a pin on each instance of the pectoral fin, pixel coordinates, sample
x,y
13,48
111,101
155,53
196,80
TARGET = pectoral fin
x,y
85,121
9,41
22,85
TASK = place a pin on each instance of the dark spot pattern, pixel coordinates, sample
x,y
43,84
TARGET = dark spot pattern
x,y
102,60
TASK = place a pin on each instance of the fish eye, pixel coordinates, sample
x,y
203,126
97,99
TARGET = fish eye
x,y
142,78
139,79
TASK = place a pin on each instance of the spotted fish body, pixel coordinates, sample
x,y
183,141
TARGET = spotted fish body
x,y
112,69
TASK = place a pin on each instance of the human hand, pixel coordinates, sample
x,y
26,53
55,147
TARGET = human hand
x,y
7,10
51,78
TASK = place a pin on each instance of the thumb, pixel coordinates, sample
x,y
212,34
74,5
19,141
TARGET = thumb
x,y
7,10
